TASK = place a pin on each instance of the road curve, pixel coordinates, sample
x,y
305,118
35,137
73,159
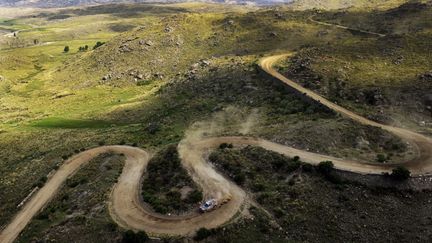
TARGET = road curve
x,y
128,211
420,165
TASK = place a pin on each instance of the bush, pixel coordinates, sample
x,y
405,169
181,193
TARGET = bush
x,y
258,187
400,173
195,196
240,178
98,44
66,49
381,158
325,167
153,128
132,237
202,233
225,145
307,167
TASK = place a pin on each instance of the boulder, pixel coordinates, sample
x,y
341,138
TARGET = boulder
x,y
426,76
168,29
149,43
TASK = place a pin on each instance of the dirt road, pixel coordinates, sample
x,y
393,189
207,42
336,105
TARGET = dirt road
x,y
311,18
129,212
422,164
125,205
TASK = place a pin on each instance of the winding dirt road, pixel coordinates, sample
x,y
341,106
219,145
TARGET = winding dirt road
x,y
128,211
421,164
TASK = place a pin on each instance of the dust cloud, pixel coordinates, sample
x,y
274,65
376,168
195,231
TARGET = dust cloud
x,y
230,121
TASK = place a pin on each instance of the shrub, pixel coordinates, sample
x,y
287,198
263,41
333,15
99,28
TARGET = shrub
x,y
307,167
257,187
239,178
132,237
98,44
195,196
202,233
153,128
72,184
400,173
325,167
381,158
143,82
225,145
292,166
66,49
111,226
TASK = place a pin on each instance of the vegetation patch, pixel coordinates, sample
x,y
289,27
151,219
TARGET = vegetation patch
x,y
79,211
304,203
167,186
55,122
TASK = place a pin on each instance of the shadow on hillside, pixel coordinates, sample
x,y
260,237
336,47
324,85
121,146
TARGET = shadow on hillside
x,y
118,10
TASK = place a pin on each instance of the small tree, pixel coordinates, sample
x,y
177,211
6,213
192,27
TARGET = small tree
x,y
66,49
132,237
400,173
202,233
325,167
195,196
381,158
225,145
98,44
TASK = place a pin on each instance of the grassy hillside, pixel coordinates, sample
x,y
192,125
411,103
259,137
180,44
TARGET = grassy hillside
x,y
341,4
385,78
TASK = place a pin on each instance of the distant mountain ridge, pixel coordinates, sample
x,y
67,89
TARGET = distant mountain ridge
x,y
67,3
296,4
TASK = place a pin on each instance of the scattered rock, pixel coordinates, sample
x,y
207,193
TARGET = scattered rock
x,y
272,34
205,63
426,76
62,95
169,29
2,78
125,48
107,77
149,43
